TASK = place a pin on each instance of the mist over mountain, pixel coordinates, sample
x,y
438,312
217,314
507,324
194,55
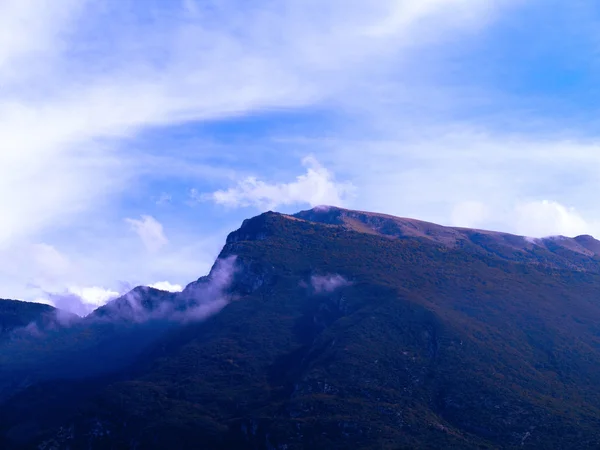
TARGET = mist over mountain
x,y
330,329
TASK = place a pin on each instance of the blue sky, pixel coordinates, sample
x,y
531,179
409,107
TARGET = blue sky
x,y
136,134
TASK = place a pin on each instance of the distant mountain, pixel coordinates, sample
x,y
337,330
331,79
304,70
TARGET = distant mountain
x,y
331,329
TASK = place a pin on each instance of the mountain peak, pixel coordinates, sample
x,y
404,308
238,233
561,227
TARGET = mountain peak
x,y
589,242
253,229
141,300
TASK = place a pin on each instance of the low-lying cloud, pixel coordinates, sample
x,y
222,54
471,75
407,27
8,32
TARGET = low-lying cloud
x,y
327,283
197,301
208,296
84,300
81,301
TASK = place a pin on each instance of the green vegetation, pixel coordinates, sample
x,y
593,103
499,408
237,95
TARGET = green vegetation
x,y
481,345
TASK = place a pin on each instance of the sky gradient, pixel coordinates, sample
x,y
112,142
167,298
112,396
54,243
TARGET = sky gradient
x,y
135,134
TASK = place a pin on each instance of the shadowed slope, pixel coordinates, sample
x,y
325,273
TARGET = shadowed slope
x,y
16,314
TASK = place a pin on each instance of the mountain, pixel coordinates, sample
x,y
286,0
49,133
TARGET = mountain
x,y
15,315
60,345
579,253
333,329
20,320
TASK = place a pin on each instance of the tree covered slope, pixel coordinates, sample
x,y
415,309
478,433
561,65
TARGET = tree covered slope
x,y
341,330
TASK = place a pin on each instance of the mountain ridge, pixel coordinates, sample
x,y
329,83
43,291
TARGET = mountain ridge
x,y
383,224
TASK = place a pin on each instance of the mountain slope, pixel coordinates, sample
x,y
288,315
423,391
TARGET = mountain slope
x,y
579,253
357,334
15,314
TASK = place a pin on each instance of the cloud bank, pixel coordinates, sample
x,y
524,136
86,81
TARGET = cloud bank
x,y
535,219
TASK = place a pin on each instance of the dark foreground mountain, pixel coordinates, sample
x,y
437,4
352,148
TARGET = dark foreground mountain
x,y
335,329
15,315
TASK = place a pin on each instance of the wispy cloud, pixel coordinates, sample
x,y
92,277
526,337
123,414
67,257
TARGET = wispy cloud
x,y
208,296
164,199
198,301
150,231
328,283
51,262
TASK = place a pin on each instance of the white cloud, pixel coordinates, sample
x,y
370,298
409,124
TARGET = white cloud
x,y
470,214
166,286
95,296
535,219
79,300
465,176
548,218
150,232
316,187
